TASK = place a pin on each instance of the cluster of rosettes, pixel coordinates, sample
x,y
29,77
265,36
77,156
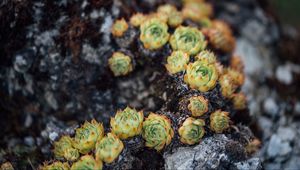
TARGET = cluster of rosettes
x,y
192,57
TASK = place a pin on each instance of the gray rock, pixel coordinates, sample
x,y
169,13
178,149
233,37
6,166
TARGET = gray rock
x,y
277,147
284,74
212,153
271,107
272,166
286,133
293,163
253,164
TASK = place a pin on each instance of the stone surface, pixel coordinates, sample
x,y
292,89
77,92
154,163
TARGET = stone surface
x,y
277,147
212,153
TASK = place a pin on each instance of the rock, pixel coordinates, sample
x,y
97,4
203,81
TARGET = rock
x,y
286,133
253,164
211,153
277,147
284,74
293,163
272,166
271,107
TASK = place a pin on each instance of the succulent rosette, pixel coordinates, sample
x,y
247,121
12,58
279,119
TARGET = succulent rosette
x,y
227,85
220,40
109,148
198,105
119,28
237,77
157,131
207,56
196,10
177,62
56,166
154,33
120,64
127,123
87,135
174,17
188,39
201,75
87,162
63,149
191,131
219,121
137,19
239,101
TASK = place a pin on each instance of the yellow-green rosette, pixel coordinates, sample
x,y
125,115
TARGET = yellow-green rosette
x,y
191,131
198,105
201,75
109,148
157,131
207,56
87,162
188,39
227,85
127,123
196,11
177,62
120,64
119,28
137,19
87,135
174,17
219,121
154,33
56,166
63,149
239,101
237,77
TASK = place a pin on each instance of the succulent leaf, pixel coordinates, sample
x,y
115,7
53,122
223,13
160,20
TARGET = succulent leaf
x,y
109,148
127,123
198,105
87,162
228,86
157,131
219,121
154,33
119,28
63,149
56,166
137,19
120,64
191,131
201,75
87,135
177,61
237,77
196,10
239,101
188,39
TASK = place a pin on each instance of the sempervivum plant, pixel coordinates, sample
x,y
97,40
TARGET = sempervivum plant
x,y
154,33
137,19
174,17
188,39
119,28
198,105
109,148
87,162
191,131
228,87
120,64
177,62
56,166
196,10
201,75
127,123
87,135
219,121
63,149
239,101
157,131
